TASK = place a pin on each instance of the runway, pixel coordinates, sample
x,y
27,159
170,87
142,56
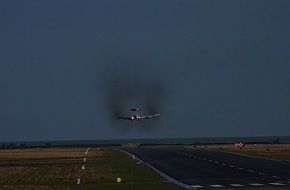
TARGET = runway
x,y
201,168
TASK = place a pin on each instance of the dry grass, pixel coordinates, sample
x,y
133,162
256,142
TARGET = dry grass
x,y
43,153
58,168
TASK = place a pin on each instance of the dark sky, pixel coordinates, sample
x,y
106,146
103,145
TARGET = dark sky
x,y
211,68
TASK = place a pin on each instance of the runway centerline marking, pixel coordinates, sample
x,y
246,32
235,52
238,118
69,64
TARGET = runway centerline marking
x,y
256,184
240,168
276,177
216,185
196,186
251,171
277,183
237,185
262,173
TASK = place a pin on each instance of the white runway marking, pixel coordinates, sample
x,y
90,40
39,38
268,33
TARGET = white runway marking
x,y
216,162
240,168
262,174
224,164
237,185
196,186
216,185
276,177
276,183
251,171
256,184
231,166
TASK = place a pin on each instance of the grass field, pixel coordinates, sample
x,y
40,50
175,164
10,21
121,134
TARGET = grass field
x,y
271,151
59,168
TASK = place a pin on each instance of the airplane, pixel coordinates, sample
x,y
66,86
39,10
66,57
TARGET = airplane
x,y
136,117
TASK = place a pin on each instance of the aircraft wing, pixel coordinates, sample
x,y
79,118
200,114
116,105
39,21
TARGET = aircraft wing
x,y
151,116
125,118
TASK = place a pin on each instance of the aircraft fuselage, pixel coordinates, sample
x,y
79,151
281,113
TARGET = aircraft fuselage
x,y
136,117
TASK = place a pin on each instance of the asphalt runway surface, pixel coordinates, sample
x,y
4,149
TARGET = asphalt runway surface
x,y
202,168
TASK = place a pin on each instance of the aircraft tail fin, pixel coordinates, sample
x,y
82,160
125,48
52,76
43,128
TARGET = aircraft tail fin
x,y
135,109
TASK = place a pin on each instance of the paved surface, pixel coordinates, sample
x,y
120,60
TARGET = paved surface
x,y
216,170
